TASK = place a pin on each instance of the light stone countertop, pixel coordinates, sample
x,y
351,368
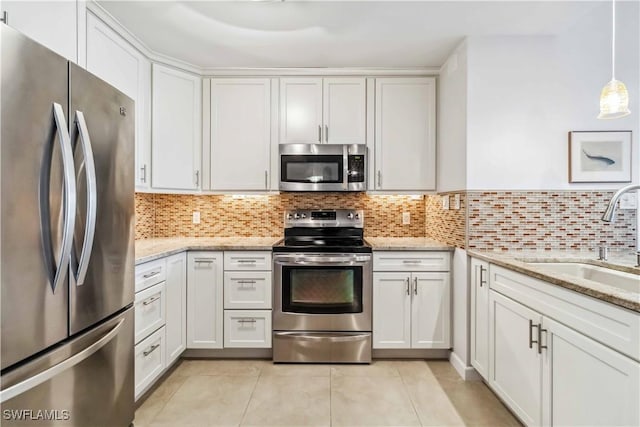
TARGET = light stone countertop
x,y
152,249
622,261
407,244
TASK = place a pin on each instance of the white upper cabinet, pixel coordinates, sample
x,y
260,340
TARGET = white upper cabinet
x,y
115,61
176,129
317,110
53,24
240,134
344,110
405,143
300,110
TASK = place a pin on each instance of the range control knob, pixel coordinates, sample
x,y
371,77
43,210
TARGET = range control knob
x,y
357,216
296,216
303,216
289,216
350,215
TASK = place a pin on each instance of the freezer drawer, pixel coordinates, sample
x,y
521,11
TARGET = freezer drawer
x,y
151,310
87,382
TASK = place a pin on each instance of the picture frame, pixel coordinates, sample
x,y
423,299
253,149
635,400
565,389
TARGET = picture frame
x,y
600,156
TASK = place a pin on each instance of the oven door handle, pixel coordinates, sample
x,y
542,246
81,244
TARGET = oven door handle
x,y
334,338
336,260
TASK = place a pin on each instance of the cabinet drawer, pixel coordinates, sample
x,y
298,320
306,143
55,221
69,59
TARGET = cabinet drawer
x,y
251,289
150,310
613,326
247,329
149,361
411,261
150,273
247,260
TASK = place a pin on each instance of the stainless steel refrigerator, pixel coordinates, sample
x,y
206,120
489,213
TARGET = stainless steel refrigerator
x,y
67,223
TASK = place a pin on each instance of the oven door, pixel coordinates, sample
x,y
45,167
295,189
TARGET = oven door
x,y
313,167
322,292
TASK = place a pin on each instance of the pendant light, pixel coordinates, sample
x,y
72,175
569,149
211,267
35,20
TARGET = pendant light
x,y
614,98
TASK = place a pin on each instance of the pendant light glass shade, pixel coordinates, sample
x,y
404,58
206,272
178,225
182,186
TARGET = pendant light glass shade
x,y
614,100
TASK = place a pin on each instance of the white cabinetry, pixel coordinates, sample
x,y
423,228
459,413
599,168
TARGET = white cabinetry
x,y
480,317
176,307
114,60
317,110
411,309
405,144
240,134
53,24
204,299
176,129
555,357
247,299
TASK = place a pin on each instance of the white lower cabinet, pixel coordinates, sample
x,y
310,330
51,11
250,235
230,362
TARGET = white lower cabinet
x,y
150,310
479,288
541,361
149,361
247,328
515,370
176,306
585,382
204,299
411,310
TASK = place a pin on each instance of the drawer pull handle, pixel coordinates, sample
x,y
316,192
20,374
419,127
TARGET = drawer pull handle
x,y
412,261
203,261
150,300
246,261
150,350
246,320
247,282
153,273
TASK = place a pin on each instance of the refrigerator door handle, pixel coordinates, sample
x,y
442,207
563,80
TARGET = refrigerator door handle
x,y
69,196
92,197
36,380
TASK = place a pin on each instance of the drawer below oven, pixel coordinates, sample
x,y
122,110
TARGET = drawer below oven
x,y
322,347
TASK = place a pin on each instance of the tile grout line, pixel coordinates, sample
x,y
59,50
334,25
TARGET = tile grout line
x,y
413,405
246,408
330,397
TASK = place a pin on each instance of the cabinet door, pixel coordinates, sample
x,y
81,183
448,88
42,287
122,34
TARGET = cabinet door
x,y
204,300
240,134
51,23
344,110
115,61
391,310
480,316
176,129
176,291
587,383
405,134
515,366
430,310
300,110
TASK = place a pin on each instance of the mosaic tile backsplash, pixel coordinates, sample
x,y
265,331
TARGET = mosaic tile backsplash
x,y
546,220
446,226
170,215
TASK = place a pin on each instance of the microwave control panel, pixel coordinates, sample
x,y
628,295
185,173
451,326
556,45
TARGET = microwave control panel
x,y
356,167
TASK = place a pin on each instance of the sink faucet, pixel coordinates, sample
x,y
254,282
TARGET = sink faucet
x,y
609,213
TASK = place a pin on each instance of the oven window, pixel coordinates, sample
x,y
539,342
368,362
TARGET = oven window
x,y
322,290
312,169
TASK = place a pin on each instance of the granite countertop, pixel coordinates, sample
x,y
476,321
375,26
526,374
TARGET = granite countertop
x,y
407,244
622,261
151,249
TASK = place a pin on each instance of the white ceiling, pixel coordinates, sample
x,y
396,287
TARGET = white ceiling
x,y
212,34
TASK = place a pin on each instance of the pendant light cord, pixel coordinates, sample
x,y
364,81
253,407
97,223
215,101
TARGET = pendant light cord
x,y
613,39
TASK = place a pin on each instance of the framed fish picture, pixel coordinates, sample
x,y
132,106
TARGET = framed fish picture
x,y
600,156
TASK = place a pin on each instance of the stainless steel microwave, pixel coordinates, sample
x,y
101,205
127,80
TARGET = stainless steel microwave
x,y
323,167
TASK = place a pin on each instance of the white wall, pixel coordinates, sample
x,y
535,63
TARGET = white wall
x,y
452,122
526,93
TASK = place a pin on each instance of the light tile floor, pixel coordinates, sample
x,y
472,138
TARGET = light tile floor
x,y
259,393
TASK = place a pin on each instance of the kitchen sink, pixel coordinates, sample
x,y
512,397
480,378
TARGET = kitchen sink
x,y
607,276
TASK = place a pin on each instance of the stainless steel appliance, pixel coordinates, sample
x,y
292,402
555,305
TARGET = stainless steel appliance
x,y
323,167
67,242
322,288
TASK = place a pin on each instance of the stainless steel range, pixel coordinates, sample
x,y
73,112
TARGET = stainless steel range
x,y
322,288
